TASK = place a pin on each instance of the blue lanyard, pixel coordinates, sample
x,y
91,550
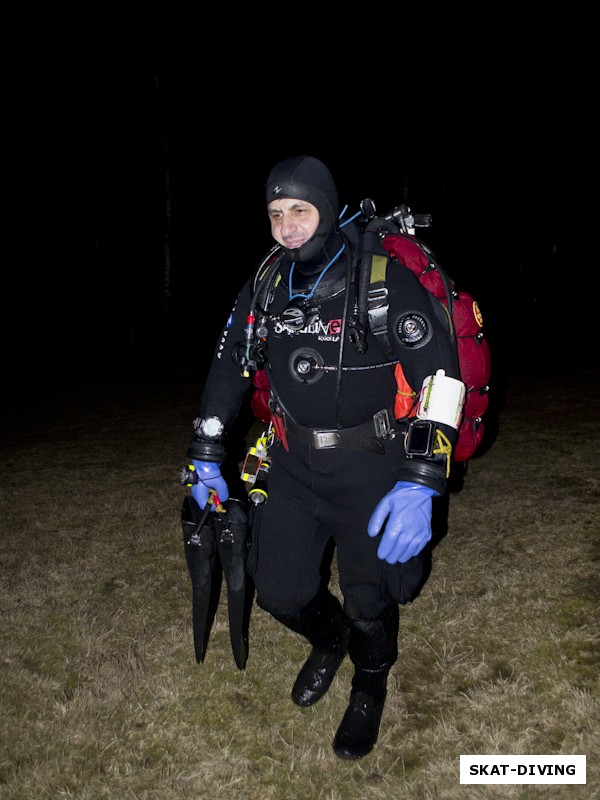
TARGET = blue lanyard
x,y
308,296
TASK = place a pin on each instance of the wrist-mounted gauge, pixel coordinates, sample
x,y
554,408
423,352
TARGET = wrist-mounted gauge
x,y
211,427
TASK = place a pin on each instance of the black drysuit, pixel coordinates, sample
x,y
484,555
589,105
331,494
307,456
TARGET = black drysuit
x,y
316,495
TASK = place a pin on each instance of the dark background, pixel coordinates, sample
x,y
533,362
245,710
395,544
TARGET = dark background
x,y
485,129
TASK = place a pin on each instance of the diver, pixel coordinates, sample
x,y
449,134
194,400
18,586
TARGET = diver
x,y
343,472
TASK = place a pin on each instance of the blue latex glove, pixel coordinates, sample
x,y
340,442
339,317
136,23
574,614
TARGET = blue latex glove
x,y
209,474
406,512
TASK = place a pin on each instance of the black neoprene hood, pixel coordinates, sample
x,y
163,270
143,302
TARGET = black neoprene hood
x,y
306,178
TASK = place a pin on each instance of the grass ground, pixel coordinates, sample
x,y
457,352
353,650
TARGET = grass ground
x,y
101,695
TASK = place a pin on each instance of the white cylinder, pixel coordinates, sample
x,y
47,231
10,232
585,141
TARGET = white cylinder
x,y
441,399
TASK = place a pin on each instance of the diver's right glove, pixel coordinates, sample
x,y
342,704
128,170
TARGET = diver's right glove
x,y
406,512
209,477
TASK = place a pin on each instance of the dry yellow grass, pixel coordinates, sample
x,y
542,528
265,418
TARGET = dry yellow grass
x,y
101,695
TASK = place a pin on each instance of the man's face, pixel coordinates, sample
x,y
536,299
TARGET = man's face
x,y
293,222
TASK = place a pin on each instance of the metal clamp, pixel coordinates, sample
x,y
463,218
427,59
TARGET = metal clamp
x,y
383,428
378,296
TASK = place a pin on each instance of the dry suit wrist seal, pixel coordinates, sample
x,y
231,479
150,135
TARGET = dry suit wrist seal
x,y
426,473
202,449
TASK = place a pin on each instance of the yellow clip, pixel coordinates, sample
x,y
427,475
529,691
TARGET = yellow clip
x,y
191,468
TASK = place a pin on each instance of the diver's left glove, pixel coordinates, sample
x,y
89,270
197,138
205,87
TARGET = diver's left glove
x,y
406,512
209,477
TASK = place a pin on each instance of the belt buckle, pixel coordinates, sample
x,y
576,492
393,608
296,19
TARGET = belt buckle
x,y
324,439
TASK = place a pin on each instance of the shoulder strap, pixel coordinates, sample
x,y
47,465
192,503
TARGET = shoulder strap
x,y
262,268
377,304
266,278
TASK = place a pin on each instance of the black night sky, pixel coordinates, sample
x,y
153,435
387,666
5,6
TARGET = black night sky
x,y
482,134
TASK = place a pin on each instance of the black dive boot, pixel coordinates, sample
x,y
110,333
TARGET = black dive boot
x,y
322,622
373,649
